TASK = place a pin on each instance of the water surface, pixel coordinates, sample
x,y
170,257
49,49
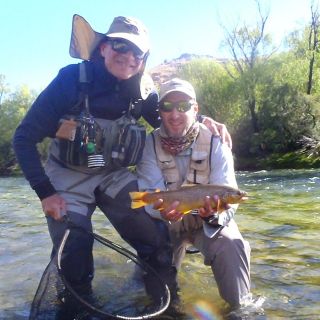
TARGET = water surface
x,y
281,220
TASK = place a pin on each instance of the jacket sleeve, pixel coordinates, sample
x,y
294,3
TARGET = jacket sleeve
x,y
42,121
149,174
150,110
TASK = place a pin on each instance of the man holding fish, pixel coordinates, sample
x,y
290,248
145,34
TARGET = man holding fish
x,y
201,213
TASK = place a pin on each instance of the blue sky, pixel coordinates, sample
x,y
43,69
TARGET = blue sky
x,y
35,34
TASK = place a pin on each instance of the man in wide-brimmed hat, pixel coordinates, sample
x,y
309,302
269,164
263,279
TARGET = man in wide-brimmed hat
x,y
82,110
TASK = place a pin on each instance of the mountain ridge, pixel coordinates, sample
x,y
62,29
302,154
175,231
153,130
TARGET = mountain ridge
x,y
168,69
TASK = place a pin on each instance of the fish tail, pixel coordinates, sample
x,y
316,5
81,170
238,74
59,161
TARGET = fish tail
x,y
137,199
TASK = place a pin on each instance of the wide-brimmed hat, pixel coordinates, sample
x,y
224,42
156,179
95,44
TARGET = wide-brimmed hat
x,y
84,39
177,85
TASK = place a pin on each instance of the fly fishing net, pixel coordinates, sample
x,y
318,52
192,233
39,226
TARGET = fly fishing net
x,y
117,290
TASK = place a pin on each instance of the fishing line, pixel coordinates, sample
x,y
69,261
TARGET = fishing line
x,y
147,313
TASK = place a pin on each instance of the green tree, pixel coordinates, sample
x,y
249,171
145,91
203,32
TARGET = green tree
x,y
313,43
12,110
304,45
3,88
285,117
216,93
249,47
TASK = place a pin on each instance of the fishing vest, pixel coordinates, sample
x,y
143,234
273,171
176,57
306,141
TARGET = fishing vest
x,y
198,172
199,166
85,141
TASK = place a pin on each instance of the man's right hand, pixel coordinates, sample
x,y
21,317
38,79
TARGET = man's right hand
x,y
170,213
54,206
218,129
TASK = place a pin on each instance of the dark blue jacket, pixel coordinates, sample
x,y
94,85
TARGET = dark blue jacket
x,y
108,97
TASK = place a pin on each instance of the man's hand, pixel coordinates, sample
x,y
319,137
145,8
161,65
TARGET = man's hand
x,y
170,213
209,210
218,129
54,206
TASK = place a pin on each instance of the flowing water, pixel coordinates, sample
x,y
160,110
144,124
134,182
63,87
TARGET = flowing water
x,y
281,220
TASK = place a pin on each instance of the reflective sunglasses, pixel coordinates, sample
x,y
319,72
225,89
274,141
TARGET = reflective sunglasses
x,y
122,46
181,106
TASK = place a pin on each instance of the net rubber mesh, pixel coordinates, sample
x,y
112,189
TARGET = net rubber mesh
x,y
46,303
117,291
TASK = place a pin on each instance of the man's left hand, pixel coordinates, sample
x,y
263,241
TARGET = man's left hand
x,y
209,210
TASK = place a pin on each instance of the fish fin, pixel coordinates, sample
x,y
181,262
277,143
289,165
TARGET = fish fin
x,y
220,206
186,212
135,204
136,195
137,199
157,190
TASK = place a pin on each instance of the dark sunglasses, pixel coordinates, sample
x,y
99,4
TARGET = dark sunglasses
x,y
122,46
181,106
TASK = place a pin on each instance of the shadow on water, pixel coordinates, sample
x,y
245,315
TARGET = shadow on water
x,y
281,221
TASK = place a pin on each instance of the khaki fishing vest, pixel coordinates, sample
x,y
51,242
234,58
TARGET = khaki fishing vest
x,y
198,172
199,167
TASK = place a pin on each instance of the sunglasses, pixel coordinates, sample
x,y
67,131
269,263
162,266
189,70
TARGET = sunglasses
x,y
181,106
122,46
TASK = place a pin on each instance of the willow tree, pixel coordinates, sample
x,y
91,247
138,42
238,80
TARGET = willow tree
x,y
13,107
215,91
3,88
250,47
304,46
313,43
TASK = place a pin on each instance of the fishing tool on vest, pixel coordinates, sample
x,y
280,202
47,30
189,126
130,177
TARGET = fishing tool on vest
x,y
124,139
94,156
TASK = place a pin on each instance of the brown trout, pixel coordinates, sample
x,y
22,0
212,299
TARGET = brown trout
x,y
191,197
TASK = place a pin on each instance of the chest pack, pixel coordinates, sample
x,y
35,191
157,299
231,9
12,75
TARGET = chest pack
x,y
83,142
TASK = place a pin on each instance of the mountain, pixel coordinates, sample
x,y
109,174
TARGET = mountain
x,y
168,69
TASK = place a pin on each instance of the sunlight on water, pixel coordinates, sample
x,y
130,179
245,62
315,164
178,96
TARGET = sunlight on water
x,y
281,220
203,310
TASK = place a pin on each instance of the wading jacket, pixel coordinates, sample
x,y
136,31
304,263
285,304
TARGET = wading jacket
x,y
109,99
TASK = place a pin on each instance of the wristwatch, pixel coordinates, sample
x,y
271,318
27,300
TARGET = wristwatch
x,y
211,220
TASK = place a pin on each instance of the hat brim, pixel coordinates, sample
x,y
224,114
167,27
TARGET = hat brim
x,y
182,90
135,39
83,38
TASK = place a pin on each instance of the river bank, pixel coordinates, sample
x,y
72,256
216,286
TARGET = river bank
x,y
291,160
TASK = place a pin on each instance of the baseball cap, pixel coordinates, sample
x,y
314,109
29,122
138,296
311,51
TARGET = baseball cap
x,y
178,85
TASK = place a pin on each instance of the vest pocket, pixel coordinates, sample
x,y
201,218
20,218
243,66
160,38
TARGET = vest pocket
x,y
198,172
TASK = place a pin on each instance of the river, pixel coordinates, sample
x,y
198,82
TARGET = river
x,y
281,220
